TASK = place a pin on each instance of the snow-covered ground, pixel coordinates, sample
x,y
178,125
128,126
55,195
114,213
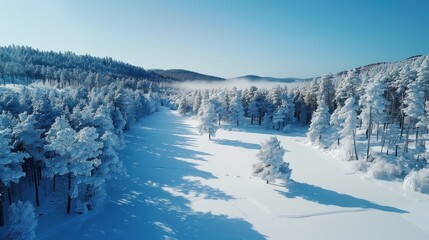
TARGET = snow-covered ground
x,y
183,186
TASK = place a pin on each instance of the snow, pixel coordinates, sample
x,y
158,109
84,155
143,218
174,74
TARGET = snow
x,y
183,186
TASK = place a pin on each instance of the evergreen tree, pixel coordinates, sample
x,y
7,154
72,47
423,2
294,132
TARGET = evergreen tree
x,y
319,127
207,118
236,114
271,165
348,117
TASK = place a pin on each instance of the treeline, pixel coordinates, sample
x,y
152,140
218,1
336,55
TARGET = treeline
x,y
67,139
24,65
386,104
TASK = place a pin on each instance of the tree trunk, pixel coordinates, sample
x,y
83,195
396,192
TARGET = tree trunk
x,y
54,183
417,135
407,137
1,209
9,194
68,195
354,144
378,127
369,133
36,186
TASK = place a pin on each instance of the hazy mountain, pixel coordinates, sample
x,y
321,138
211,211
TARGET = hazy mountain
x,y
271,79
185,75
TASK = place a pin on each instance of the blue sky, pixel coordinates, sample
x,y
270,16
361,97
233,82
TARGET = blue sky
x,y
228,38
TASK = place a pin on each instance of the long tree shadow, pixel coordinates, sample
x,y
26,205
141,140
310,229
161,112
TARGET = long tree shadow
x,y
237,143
143,206
328,197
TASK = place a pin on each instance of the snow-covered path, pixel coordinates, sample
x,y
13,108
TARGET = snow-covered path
x,y
182,186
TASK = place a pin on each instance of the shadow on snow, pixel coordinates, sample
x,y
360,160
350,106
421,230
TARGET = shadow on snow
x,y
140,207
328,197
237,143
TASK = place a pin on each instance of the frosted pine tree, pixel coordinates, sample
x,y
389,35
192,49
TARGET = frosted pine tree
x,y
197,103
207,119
414,102
319,127
72,154
279,117
423,124
271,165
327,91
423,76
348,118
346,87
336,123
267,121
236,115
183,105
10,162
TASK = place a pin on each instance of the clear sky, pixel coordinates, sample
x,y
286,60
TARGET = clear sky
x,y
227,38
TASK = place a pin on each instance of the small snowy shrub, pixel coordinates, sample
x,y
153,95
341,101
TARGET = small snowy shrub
x,y
418,181
384,170
23,221
287,128
357,166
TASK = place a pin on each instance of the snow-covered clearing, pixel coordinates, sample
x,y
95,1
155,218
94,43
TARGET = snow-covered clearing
x,y
183,186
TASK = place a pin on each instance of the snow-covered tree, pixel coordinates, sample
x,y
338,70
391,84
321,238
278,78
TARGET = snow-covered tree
x,y
423,76
267,121
348,118
23,221
183,106
414,102
236,114
271,165
207,118
423,124
28,139
373,103
197,103
71,153
10,162
319,127
327,91
346,87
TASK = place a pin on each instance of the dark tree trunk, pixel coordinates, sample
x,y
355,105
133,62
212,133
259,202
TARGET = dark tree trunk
x,y
369,133
36,187
9,194
1,210
54,183
68,195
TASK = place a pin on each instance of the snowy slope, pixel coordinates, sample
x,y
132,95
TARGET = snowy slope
x,y
182,186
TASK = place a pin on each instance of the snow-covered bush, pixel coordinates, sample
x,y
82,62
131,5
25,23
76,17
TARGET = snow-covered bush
x,y
358,166
418,181
23,221
271,165
384,170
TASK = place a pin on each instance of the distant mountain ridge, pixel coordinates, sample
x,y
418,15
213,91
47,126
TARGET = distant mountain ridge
x,y
184,75
271,79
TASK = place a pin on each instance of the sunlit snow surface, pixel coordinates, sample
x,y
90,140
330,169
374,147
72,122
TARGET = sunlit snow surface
x,y
183,186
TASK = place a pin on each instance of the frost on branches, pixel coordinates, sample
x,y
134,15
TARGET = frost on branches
x,y
271,165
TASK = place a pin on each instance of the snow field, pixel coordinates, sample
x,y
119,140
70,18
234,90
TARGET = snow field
x,y
183,186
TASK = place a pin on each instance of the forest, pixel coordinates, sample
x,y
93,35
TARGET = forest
x,y
63,119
